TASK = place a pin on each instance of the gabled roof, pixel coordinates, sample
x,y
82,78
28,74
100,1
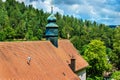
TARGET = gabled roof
x,y
46,62
69,52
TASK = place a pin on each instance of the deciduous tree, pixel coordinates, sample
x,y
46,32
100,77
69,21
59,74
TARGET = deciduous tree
x,y
95,54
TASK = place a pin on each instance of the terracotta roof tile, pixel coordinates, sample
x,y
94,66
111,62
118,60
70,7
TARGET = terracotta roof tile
x,y
45,63
69,52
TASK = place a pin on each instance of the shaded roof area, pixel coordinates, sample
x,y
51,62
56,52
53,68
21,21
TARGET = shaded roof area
x,y
70,51
46,62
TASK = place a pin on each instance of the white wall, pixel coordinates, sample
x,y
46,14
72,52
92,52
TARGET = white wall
x,y
82,74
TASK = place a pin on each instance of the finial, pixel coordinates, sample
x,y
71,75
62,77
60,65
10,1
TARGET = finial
x,y
52,10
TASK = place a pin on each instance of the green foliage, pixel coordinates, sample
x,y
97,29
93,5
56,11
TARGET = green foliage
x,y
95,78
76,41
4,21
116,75
2,36
116,46
95,54
20,22
29,35
9,33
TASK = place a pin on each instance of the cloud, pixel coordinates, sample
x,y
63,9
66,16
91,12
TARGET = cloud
x,y
68,2
3,0
43,4
101,11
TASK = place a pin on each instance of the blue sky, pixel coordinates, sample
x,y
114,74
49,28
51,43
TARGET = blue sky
x,y
101,11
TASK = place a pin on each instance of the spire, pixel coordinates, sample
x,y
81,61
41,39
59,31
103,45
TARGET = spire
x,y
51,10
51,18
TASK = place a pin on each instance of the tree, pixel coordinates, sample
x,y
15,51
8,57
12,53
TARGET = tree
x,y
76,41
116,75
9,33
95,54
2,36
66,30
4,20
21,30
29,34
39,34
116,46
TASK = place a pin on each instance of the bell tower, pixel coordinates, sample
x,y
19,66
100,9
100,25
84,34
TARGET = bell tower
x,y
52,29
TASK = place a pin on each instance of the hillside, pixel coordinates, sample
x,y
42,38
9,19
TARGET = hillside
x,y
19,22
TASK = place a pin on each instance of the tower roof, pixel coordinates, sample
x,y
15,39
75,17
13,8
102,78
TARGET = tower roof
x,y
51,18
51,25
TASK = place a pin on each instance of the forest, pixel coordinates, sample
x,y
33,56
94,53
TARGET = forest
x,y
97,43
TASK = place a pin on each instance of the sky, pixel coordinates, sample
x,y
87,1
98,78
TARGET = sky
x,y
101,11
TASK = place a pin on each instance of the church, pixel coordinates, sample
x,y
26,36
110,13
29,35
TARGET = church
x,y
51,59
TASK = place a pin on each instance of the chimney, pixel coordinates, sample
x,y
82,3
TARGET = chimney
x,y
72,64
52,29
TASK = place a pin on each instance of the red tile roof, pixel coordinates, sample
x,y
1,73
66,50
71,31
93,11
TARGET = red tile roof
x,y
69,52
47,61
